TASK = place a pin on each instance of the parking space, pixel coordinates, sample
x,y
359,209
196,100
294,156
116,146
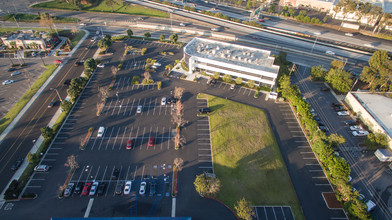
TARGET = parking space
x,y
304,149
273,212
155,43
203,140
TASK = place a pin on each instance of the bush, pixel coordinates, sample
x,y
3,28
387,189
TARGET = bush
x,y
377,140
66,106
184,67
144,51
120,64
148,81
135,80
47,133
159,85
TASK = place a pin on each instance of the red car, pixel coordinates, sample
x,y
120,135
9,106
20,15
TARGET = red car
x,y
58,61
130,144
261,20
86,189
151,141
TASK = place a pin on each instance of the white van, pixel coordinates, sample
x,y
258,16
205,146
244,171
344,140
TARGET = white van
x,y
100,131
370,205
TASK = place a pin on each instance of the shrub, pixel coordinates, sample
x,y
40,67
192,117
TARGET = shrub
x,y
66,106
159,85
183,65
143,51
135,80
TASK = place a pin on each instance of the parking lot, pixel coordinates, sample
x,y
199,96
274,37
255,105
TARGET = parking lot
x,y
273,212
11,93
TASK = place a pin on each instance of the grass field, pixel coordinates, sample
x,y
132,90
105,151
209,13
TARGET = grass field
x,y
101,6
247,158
10,30
36,18
14,111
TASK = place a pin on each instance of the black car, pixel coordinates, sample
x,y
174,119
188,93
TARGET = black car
x,y
171,100
17,164
324,89
339,108
323,128
336,104
204,110
101,189
116,173
11,69
52,104
213,82
79,187
152,188
350,122
320,123
119,188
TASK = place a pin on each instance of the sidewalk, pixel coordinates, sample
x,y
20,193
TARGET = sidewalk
x,y
37,143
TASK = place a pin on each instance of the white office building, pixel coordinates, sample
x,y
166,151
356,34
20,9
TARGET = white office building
x,y
247,63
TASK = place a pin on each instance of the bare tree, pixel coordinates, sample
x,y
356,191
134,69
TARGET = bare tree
x,y
178,162
103,93
178,114
179,140
114,70
178,92
71,162
46,20
147,75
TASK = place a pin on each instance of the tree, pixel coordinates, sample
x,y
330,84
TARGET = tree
x,y
206,185
178,92
244,209
111,3
129,33
238,81
71,162
168,67
46,20
147,75
32,158
227,78
216,75
178,162
379,72
339,168
174,38
147,35
114,70
90,64
178,116
66,106
271,9
336,140
318,73
103,93
251,84
162,37
340,80
291,12
47,133
104,43
337,64
374,14
376,140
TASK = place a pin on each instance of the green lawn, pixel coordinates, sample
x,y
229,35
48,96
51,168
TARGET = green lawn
x,y
101,6
36,18
14,111
10,30
247,158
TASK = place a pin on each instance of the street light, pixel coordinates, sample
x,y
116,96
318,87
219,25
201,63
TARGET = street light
x,y
57,93
317,35
171,19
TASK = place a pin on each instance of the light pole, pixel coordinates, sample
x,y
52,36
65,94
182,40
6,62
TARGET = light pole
x,y
317,35
57,93
171,19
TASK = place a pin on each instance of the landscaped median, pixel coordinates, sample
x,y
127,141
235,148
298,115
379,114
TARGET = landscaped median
x,y
246,157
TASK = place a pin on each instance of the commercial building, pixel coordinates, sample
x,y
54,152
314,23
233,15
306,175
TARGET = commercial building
x,y
210,56
28,40
375,110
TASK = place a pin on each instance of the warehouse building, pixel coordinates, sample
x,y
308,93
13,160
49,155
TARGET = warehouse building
x,y
210,56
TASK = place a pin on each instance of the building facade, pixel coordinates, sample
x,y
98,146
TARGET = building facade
x,y
27,40
210,56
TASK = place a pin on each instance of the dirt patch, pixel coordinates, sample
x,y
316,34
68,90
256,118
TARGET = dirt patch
x,y
332,202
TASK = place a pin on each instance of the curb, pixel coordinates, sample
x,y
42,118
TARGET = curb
x,y
223,205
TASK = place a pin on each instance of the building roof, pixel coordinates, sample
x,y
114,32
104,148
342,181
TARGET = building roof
x,y
379,106
232,53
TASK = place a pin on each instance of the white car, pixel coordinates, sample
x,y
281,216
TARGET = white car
x,y
360,133
139,109
341,113
330,52
94,188
15,73
8,81
370,205
232,87
82,24
356,128
127,188
68,190
349,34
142,189
101,65
163,101
101,130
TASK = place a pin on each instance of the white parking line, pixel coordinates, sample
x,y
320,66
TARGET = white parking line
x,y
120,107
149,104
144,131
169,138
134,174
163,132
130,111
143,171
107,144
96,174
122,139
126,106
153,113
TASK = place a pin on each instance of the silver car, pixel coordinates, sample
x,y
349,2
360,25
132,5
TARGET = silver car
x,y
68,190
15,73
